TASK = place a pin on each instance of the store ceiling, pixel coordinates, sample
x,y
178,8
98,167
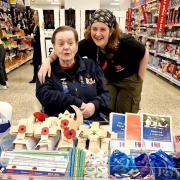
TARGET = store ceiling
x,y
108,4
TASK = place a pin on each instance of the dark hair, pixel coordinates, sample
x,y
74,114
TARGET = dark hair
x,y
114,39
1,34
62,29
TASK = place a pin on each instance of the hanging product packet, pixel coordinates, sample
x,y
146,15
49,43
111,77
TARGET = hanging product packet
x,y
122,165
177,163
143,164
163,166
96,165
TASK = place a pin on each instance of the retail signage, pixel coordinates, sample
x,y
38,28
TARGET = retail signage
x,y
129,14
27,2
12,1
49,46
143,8
135,3
162,16
174,3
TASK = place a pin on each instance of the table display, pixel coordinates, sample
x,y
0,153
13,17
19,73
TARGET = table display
x,y
65,147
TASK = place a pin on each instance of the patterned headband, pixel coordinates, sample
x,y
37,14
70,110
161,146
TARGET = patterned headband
x,y
105,16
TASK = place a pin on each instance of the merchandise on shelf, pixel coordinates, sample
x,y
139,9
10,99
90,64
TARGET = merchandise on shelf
x,y
15,23
162,43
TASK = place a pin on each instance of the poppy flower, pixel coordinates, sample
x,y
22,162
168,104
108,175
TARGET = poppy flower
x,y
22,129
66,131
45,131
64,123
34,168
40,116
14,167
70,134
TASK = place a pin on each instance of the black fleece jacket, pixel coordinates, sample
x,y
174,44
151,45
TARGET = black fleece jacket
x,y
82,83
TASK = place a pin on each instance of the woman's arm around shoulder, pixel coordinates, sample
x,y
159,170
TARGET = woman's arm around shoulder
x,y
46,67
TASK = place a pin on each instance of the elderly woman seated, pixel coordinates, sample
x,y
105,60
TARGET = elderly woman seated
x,y
73,81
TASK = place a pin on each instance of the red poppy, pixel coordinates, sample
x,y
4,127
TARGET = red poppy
x,y
34,168
14,167
64,123
66,131
45,131
70,134
22,129
40,116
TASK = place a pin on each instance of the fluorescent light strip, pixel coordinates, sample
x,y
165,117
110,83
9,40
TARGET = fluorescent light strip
x,y
114,3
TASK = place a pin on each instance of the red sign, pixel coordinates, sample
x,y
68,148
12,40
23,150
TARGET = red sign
x,y
143,8
129,19
162,16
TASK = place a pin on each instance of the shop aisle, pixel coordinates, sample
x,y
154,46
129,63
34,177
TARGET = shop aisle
x,y
21,94
158,96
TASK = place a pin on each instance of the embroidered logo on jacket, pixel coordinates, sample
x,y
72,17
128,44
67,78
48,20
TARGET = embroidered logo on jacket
x,y
87,81
119,68
64,85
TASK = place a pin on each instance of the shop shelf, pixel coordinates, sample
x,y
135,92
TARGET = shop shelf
x,y
17,65
164,75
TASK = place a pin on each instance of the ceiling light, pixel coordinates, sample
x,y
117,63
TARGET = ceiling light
x,y
55,2
114,3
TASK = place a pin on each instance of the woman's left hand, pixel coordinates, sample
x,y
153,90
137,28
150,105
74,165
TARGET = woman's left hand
x,y
87,109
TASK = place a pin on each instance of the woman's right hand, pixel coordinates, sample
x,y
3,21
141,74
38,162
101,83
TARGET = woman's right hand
x,y
87,109
44,69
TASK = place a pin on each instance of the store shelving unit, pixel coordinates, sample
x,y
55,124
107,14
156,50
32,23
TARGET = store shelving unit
x,y
164,75
18,64
14,24
164,47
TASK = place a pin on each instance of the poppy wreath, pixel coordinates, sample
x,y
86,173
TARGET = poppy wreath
x,y
69,133
22,129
